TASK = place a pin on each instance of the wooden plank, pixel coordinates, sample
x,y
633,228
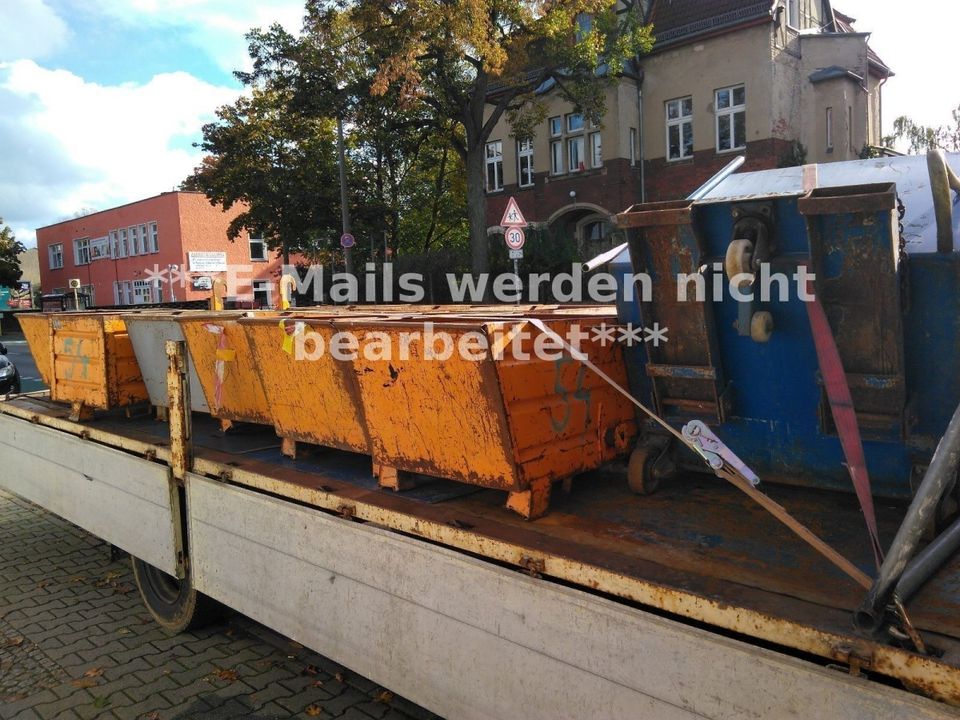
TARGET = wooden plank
x,y
468,639
121,498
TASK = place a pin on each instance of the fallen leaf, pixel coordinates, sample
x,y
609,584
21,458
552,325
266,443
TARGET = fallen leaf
x,y
317,683
123,631
94,672
84,682
314,710
13,641
154,715
295,645
101,702
123,589
384,696
78,579
340,677
310,670
226,675
42,584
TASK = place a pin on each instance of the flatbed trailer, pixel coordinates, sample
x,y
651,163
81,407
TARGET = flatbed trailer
x,y
688,603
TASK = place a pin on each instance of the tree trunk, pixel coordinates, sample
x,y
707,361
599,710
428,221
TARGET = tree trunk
x,y
477,210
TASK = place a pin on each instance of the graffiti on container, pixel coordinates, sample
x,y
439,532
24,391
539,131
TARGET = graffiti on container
x,y
74,348
567,396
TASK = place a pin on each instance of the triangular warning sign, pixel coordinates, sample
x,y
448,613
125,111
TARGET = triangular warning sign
x,y
512,217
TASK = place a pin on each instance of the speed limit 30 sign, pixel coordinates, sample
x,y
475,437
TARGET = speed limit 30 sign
x,y
514,238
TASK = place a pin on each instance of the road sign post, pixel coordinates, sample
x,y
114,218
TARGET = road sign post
x,y
513,223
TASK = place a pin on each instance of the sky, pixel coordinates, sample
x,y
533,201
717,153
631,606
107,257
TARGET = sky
x,y
102,100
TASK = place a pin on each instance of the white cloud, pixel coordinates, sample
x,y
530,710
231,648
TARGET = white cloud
x,y
74,144
30,29
218,26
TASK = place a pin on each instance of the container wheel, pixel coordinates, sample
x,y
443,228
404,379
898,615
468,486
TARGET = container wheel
x,y
738,259
172,602
640,475
761,326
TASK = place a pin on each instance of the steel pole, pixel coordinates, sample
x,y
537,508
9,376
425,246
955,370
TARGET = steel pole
x,y
344,206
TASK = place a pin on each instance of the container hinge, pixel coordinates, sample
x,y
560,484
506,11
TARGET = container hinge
x,y
534,567
855,661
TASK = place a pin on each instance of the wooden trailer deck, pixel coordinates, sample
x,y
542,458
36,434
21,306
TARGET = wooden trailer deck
x,y
697,550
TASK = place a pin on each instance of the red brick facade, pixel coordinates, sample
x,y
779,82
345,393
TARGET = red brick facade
x,y
613,187
675,180
616,186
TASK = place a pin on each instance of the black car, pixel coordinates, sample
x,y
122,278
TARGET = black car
x,y
9,377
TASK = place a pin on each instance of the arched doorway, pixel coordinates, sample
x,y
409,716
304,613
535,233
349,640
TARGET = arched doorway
x,y
589,226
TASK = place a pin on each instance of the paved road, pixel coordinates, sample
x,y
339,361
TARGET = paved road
x,y
19,354
76,642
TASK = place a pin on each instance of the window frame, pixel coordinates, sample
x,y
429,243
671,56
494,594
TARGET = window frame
x,y
81,244
525,153
266,287
496,161
678,122
797,23
730,111
154,236
260,242
571,141
557,166
50,255
596,149
566,123
559,122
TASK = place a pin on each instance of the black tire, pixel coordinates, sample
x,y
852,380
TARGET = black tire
x,y
173,603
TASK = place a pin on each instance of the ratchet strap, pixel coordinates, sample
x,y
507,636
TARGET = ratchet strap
x,y
844,415
721,461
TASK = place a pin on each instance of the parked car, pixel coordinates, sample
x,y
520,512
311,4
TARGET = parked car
x,y
9,377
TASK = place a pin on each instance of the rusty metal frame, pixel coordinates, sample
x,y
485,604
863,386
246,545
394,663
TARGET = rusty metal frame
x,y
922,674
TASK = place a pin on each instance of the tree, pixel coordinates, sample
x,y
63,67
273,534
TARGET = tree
x,y
10,249
278,162
923,138
463,64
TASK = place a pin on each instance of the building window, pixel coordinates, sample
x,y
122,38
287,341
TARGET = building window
x,y
556,127
556,157
633,146
494,160
154,238
793,14
575,154
596,150
679,128
596,231
731,110
829,129
574,122
258,249
122,233
56,256
81,251
142,292
525,163
261,293
144,240
136,248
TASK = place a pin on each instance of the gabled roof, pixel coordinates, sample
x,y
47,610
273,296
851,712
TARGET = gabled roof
x,y
675,20
845,25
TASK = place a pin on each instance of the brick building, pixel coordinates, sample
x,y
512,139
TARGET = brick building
x,y
779,81
166,248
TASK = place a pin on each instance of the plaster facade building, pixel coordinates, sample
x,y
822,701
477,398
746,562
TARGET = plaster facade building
x,y
781,82
166,248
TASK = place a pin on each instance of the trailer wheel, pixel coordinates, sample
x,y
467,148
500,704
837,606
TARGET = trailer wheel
x,y
172,602
640,476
